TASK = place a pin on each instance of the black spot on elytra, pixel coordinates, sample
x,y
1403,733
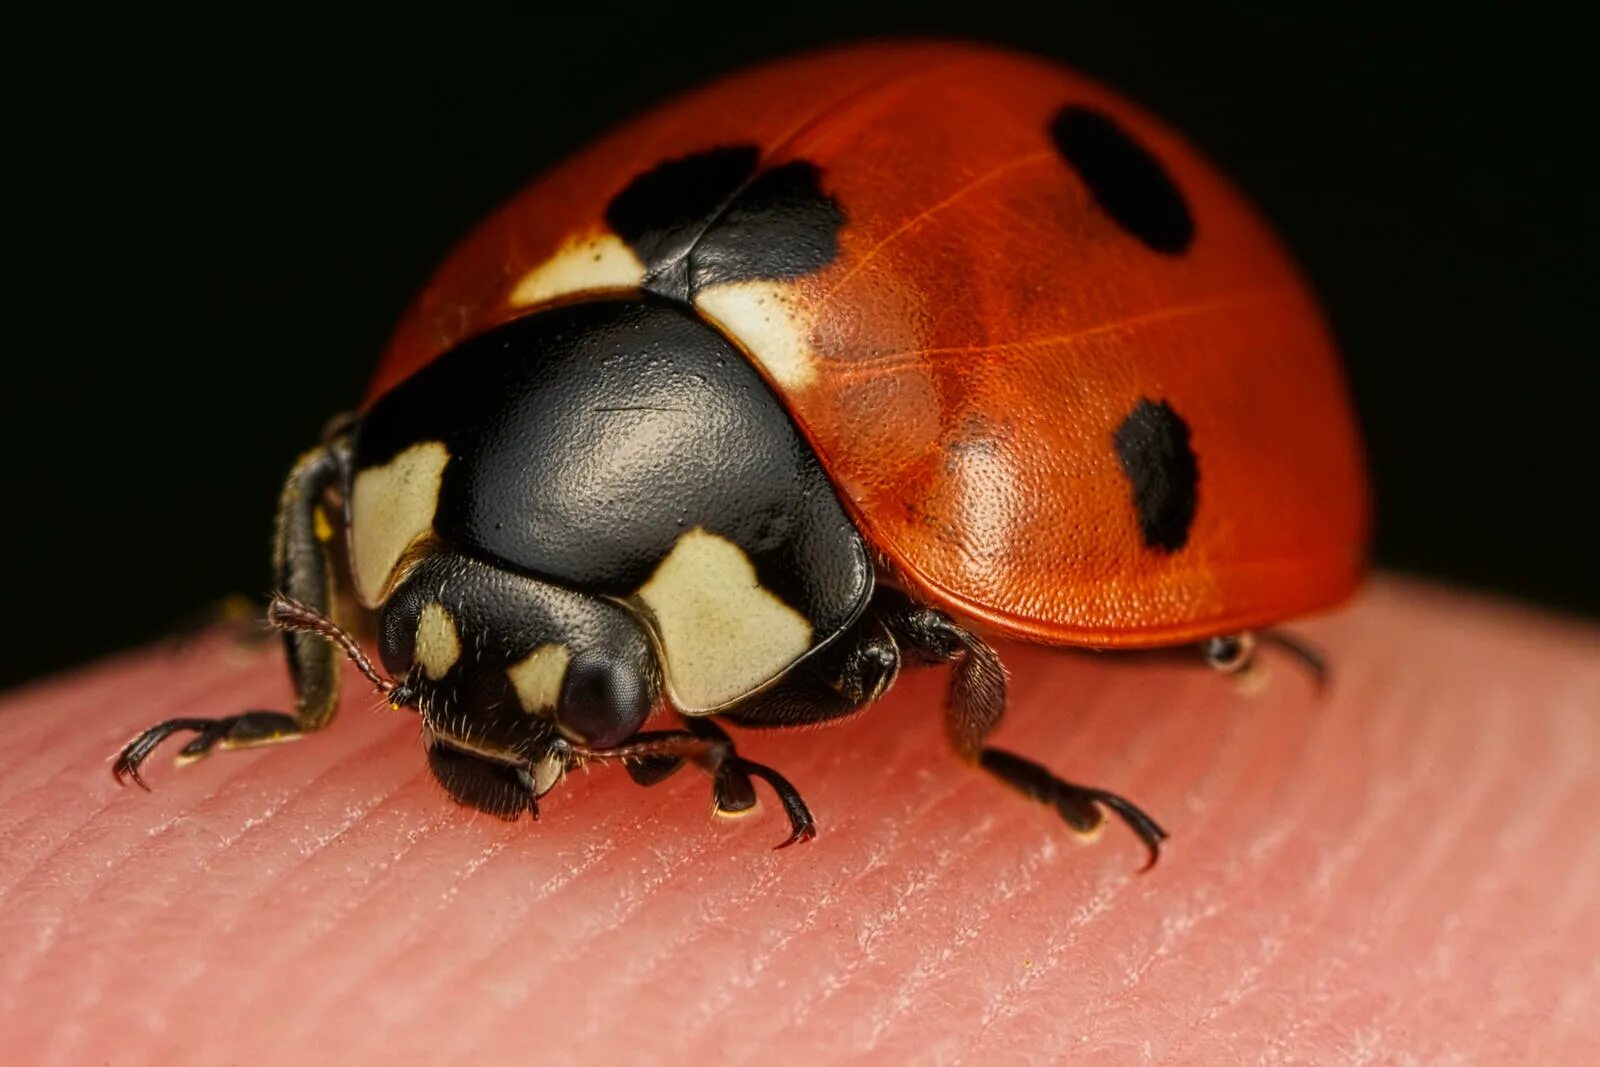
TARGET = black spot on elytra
x,y
1153,445
664,211
1125,180
712,217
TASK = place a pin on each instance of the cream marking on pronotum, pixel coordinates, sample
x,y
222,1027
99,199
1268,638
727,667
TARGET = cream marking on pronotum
x,y
760,315
583,265
722,635
391,507
438,642
537,678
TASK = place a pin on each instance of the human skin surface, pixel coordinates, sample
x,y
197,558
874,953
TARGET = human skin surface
x,y
1402,870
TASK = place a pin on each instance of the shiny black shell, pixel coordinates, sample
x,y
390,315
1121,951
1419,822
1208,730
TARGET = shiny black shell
x,y
586,439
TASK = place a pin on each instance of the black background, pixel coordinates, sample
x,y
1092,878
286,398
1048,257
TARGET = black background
x,y
220,225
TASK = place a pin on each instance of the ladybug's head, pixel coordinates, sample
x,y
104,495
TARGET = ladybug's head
x,y
503,667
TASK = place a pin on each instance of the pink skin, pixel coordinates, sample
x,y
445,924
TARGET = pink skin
x,y
1404,871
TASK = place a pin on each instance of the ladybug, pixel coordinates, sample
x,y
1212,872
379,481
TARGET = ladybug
x,y
849,363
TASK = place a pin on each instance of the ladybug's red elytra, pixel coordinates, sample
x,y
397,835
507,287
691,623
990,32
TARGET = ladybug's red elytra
x,y
842,364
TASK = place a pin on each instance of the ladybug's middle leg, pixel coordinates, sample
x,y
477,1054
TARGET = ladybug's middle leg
x,y
975,704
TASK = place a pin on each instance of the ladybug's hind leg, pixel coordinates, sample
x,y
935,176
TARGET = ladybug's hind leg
x,y
974,707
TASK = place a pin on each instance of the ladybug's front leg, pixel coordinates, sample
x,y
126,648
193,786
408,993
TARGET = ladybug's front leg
x,y
303,571
976,702
837,683
653,756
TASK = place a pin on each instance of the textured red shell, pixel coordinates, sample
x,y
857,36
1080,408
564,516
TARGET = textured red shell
x,y
1064,416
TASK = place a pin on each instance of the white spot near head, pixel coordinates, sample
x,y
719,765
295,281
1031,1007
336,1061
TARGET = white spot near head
x,y
763,318
438,642
537,678
722,635
584,264
390,508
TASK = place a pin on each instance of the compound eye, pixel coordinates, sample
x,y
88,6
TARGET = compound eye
x,y
603,702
